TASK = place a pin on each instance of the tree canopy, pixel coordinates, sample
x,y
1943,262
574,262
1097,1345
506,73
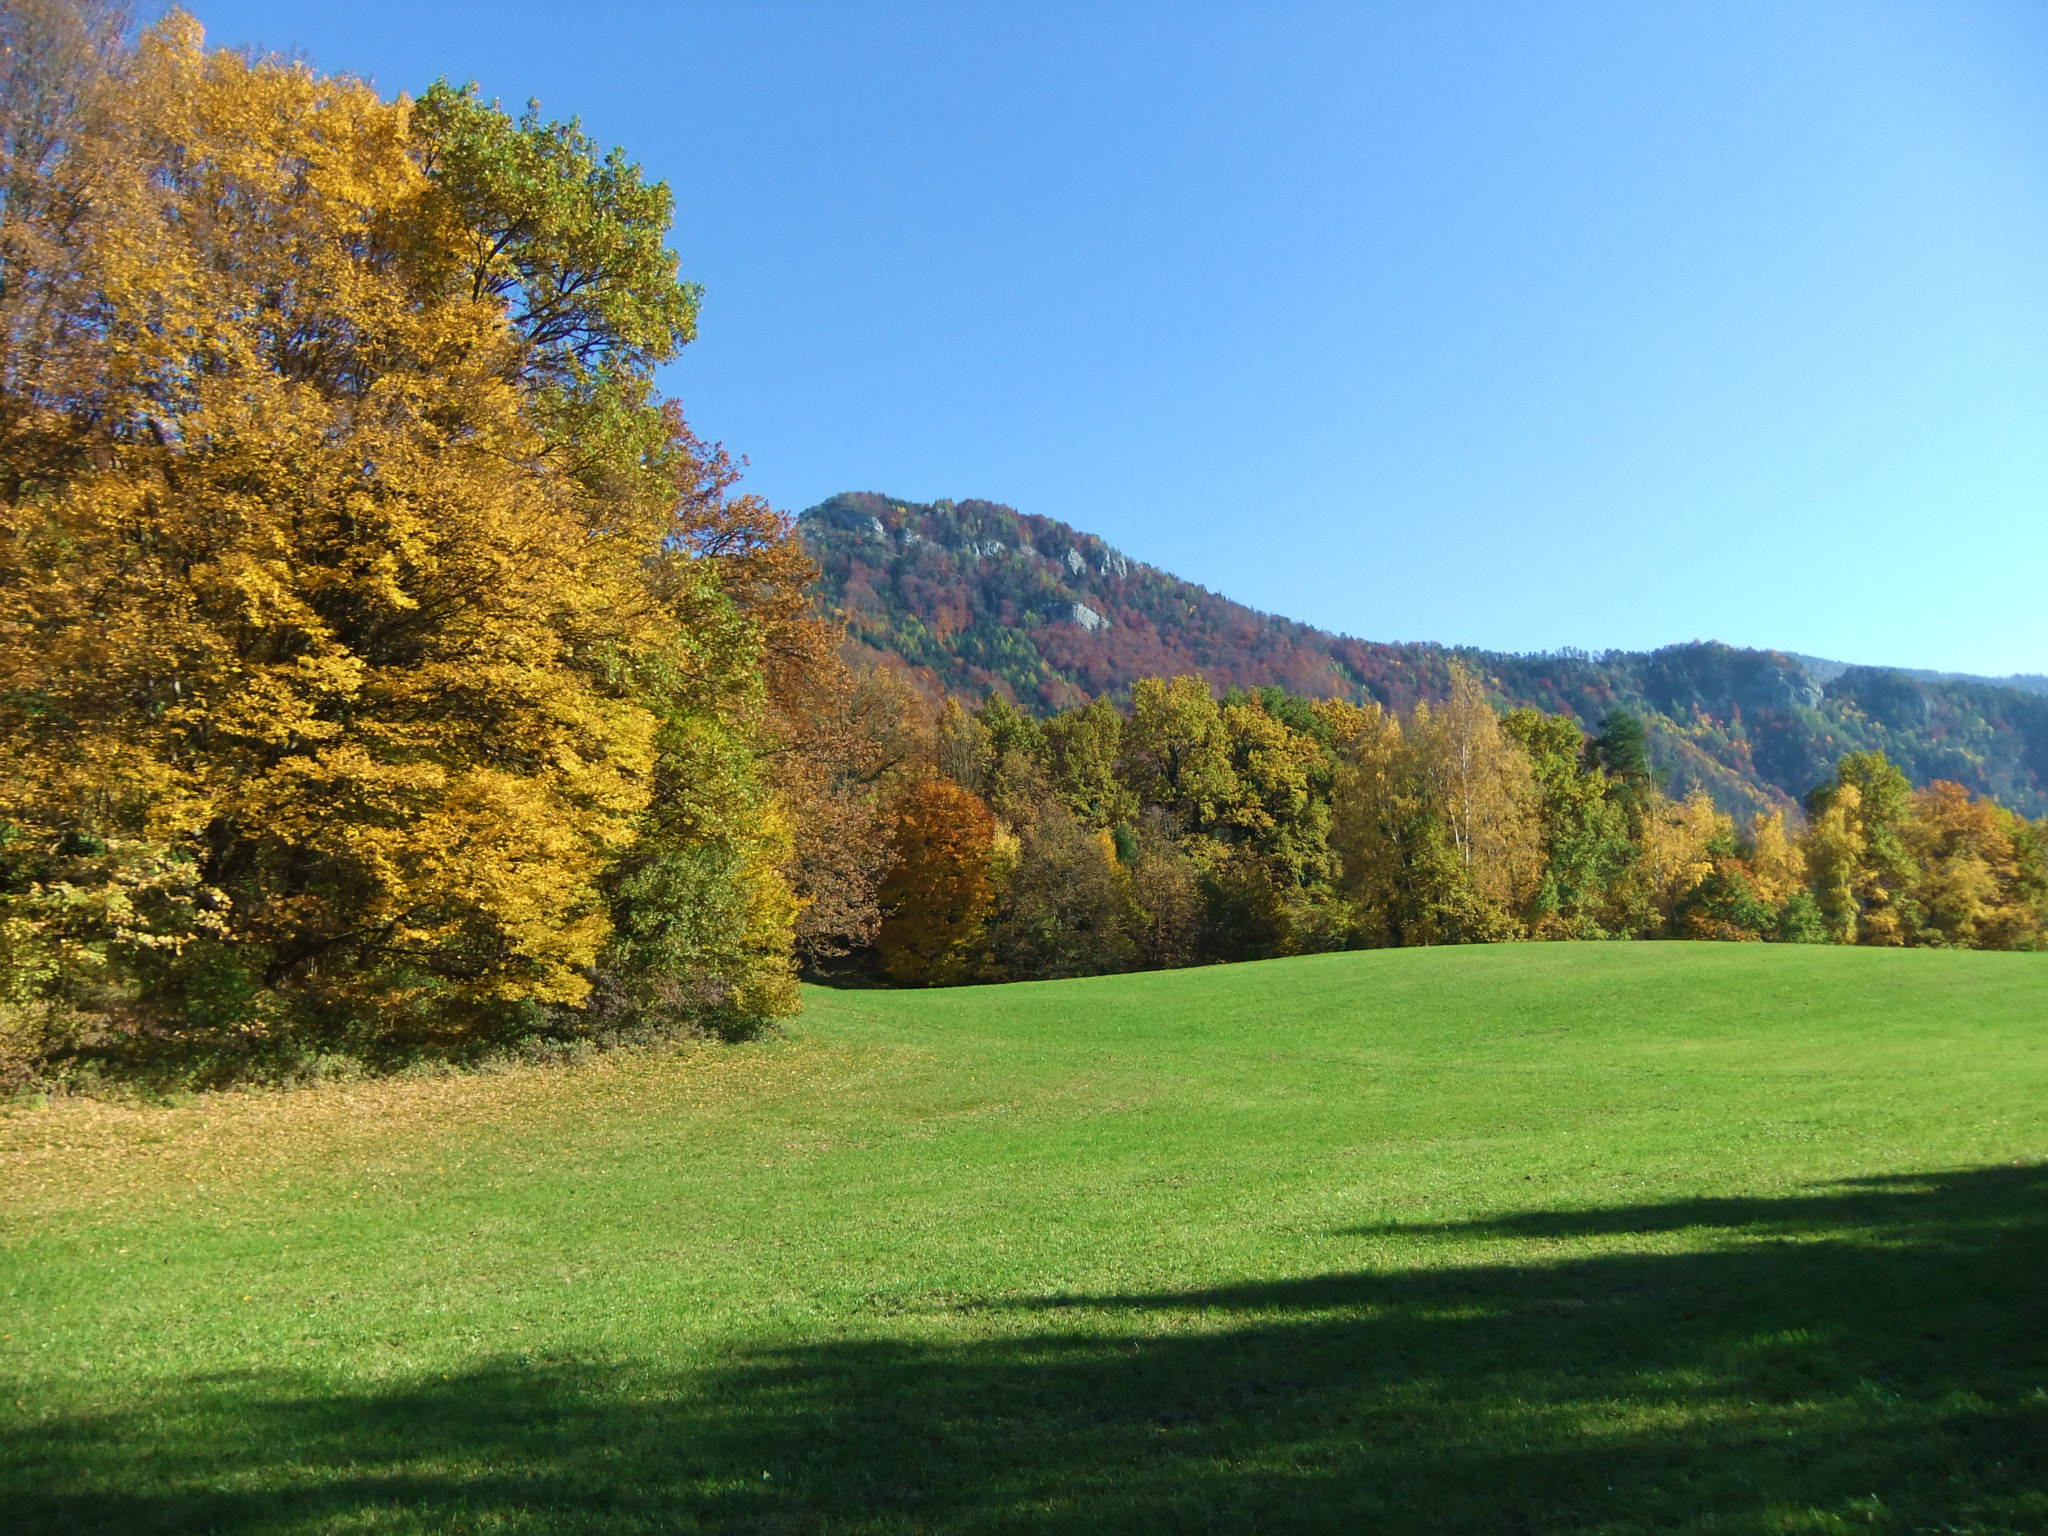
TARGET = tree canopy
x,y
380,658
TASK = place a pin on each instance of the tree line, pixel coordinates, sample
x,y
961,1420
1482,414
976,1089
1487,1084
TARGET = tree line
x,y
389,674
1262,824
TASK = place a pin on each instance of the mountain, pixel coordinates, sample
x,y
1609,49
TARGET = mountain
x,y
2027,682
973,596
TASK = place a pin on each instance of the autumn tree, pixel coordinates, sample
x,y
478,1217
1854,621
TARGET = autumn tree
x,y
1670,855
838,768
1436,823
1584,830
1061,901
1481,794
1166,913
1016,745
1161,909
568,243
1373,808
353,644
1263,824
1065,906
1777,862
1856,849
961,749
937,894
1977,882
1083,747
1176,752
1280,807
1724,902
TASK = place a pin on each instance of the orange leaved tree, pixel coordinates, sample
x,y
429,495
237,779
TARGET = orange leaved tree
x,y
937,896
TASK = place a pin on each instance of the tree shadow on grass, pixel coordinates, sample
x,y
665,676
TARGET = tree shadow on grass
x,y
1868,1359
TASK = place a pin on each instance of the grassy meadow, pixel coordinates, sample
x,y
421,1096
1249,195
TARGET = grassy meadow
x,y
1629,1237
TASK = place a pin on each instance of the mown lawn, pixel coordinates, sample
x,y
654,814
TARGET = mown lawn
x,y
1532,1238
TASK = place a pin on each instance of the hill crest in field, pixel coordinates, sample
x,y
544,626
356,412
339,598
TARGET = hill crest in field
x,y
974,596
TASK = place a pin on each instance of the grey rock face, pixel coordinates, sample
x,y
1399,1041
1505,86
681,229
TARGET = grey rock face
x,y
1087,617
1800,687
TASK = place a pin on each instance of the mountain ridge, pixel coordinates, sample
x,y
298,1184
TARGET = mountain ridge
x,y
974,596
1827,670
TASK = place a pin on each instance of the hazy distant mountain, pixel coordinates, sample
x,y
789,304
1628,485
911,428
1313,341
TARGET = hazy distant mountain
x,y
1827,671
975,596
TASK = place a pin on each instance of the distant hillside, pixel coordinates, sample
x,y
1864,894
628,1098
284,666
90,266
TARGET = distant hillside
x,y
975,596
1827,671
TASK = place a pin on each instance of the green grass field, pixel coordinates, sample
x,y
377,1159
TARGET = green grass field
x,y
1529,1238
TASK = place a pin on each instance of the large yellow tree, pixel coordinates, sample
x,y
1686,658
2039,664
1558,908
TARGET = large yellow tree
x,y
345,570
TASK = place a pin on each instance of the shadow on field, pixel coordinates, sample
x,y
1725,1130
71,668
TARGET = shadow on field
x,y
1871,1359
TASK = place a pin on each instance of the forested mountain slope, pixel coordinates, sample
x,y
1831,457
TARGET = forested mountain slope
x,y
975,596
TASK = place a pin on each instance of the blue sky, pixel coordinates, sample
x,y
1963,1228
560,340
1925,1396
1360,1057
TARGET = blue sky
x,y
1513,325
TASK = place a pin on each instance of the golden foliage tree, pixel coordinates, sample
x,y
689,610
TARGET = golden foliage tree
x,y
337,574
1083,747
1481,788
1276,808
1778,864
937,894
1855,850
1678,841
1176,752
1973,888
1436,823
1369,812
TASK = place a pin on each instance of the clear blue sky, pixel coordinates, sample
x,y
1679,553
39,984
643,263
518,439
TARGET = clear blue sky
x,y
1515,325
